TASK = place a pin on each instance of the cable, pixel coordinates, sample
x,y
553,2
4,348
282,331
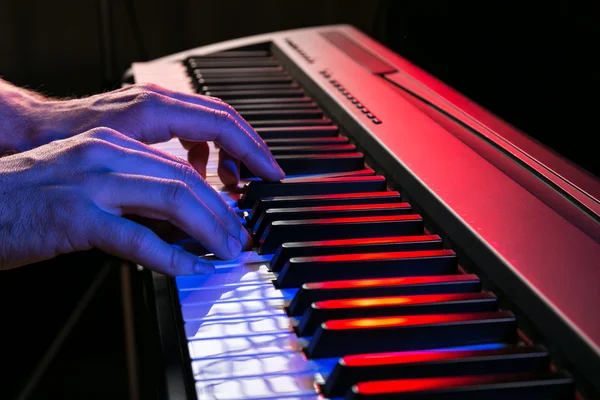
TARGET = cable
x,y
136,30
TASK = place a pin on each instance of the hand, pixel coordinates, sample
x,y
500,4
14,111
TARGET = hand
x,y
72,194
152,114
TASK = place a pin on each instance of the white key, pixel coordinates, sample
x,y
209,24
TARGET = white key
x,y
228,310
249,366
299,386
237,327
240,274
230,293
245,346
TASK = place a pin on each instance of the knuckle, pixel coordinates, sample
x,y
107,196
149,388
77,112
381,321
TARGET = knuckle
x,y
139,241
149,87
90,148
102,133
187,173
174,193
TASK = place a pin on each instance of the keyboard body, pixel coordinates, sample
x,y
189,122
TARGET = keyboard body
x,y
522,219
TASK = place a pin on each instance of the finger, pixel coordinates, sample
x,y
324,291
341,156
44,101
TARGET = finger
x,y
210,102
200,123
198,153
117,138
175,202
229,169
128,240
132,162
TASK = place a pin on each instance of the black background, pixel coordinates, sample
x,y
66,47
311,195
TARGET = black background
x,y
531,63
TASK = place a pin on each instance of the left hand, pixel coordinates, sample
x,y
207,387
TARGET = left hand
x,y
152,114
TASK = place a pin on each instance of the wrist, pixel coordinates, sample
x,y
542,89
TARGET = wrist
x,y
18,109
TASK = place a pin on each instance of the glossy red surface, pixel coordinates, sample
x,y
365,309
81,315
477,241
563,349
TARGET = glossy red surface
x,y
341,196
408,357
349,207
414,385
338,179
364,241
391,322
349,220
399,300
382,256
384,282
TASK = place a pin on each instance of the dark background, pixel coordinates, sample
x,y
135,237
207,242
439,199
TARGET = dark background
x,y
531,63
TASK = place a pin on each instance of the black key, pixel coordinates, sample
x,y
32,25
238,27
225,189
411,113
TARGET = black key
x,y
359,172
336,211
312,149
300,131
227,95
528,386
414,332
389,306
351,370
397,286
204,71
219,74
352,246
283,106
245,80
241,63
340,228
236,53
320,200
271,100
294,114
300,270
262,86
279,123
303,141
294,187
314,164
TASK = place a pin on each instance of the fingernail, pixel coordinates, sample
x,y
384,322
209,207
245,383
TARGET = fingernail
x,y
204,268
235,247
245,239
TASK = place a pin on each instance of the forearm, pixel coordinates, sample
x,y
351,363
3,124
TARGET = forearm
x,y
17,113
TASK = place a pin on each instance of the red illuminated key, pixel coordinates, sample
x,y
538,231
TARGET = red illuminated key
x,y
320,200
338,228
527,386
305,141
314,164
322,311
351,370
399,333
301,270
354,246
397,286
335,211
298,131
258,189
312,149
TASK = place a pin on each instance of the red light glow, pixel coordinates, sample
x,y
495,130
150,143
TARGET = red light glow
x,y
350,220
349,207
409,357
381,256
414,385
385,282
366,241
413,320
399,300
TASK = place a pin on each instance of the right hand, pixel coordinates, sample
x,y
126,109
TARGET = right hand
x,y
71,195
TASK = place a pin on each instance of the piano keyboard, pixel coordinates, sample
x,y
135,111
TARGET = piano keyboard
x,y
345,295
